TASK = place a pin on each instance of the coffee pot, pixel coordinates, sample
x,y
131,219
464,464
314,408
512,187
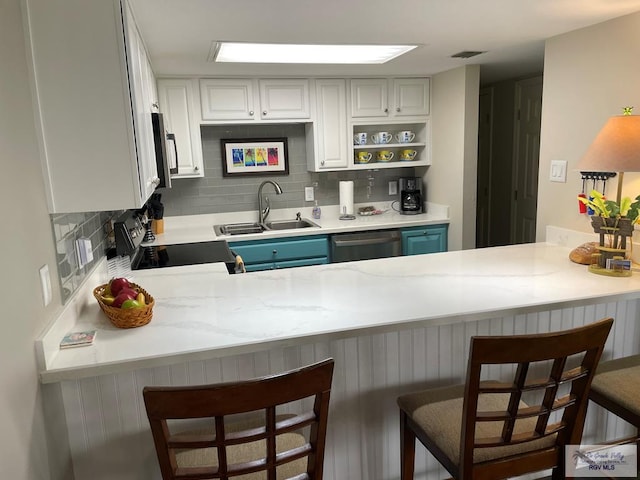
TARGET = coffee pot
x,y
411,197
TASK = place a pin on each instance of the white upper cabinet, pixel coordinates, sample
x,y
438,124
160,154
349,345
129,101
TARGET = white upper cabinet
x,y
410,97
327,135
370,97
232,99
227,99
143,102
93,87
179,102
284,99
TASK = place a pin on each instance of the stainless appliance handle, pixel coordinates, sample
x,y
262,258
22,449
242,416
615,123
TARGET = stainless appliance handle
x,y
368,241
173,159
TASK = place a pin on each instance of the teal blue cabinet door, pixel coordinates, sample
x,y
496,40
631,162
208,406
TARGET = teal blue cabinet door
x,y
283,252
257,267
428,239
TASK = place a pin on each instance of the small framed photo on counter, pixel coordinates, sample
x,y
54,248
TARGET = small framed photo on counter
x,y
254,156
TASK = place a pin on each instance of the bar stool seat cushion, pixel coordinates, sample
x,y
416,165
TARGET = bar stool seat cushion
x,y
439,413
618,380
245,452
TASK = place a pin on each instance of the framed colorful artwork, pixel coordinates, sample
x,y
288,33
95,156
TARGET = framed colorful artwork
x,y
254,156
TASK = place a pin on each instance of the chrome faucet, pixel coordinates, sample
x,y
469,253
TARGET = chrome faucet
x,y
264,212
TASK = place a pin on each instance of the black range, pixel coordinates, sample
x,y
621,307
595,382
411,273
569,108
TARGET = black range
x,y
180,254
131,233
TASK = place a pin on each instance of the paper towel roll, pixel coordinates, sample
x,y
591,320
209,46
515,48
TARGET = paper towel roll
x,y
346,198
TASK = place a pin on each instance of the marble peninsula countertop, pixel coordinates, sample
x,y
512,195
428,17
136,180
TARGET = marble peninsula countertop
x,y
201,312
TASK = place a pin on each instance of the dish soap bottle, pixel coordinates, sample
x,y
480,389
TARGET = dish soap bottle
x,y
316,212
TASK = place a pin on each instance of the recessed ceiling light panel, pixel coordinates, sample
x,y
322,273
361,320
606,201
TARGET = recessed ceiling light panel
x,y
238,52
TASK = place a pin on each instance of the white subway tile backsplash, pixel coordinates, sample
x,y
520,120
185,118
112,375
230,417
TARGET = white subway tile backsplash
x,y
217,194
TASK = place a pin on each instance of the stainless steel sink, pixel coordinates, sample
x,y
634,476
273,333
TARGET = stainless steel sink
x,y
290,224
247,228
238,228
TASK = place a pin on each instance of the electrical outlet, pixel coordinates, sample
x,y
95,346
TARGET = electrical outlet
x,y
45,282
393,187
308,194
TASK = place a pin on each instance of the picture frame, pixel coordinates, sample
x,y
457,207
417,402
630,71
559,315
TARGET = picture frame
x,y
254,156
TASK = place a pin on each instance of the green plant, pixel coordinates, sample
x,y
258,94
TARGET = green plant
x,y
611,209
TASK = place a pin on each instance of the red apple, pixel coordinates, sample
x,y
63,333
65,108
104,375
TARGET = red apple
x,y
117,284
129,291
122,296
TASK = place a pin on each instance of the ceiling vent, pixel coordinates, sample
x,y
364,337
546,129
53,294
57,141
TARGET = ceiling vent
x,y
466,54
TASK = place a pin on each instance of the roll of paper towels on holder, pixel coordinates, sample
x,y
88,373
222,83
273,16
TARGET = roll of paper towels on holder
x,y
346,198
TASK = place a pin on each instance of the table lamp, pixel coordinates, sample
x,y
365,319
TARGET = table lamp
x,y
615,149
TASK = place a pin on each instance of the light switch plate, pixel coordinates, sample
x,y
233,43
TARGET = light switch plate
x,y
393,187
45,282
308,194
558,171
84,251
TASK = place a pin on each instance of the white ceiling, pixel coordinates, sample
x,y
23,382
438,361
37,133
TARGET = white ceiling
x,y
179,33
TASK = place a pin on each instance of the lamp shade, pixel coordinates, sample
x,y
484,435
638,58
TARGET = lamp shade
x,y
616,148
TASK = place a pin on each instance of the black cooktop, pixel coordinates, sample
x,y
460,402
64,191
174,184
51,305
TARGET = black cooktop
x,y
180,254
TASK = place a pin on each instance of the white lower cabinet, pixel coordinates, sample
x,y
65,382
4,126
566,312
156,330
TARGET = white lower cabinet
x,y
91,78
179,102
327,135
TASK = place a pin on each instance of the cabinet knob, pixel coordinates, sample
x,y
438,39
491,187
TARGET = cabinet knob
x,y
196,168
264,112
251,113
275,252
386,110
321,162
397,109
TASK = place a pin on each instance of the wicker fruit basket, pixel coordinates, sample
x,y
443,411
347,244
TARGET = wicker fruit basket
x,y
130,317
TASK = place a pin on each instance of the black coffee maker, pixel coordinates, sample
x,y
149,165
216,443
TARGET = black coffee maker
x,y
410,195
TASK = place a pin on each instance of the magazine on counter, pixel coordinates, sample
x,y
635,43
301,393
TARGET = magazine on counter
x,y
78,339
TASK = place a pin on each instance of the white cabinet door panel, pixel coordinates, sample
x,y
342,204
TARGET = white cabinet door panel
x,y
369,97
330,129
177,103
411,96
284,99
227,99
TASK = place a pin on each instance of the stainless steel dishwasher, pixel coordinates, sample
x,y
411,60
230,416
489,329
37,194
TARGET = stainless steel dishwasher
x,y
347,247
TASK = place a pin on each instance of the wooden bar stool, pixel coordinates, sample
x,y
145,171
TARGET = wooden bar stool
x,y
483,430
616,387
244,435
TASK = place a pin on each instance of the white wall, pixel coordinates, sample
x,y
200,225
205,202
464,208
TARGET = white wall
x,y
589,75
26,245
451,179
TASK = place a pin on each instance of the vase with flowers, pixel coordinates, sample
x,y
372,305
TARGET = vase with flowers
x,y
613,222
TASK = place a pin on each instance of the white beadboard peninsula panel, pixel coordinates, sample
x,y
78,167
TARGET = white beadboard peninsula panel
x,y
110,438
